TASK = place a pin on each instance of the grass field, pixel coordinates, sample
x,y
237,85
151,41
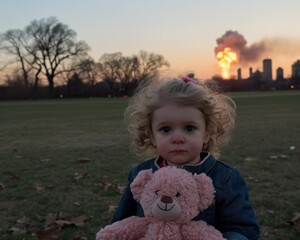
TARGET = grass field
x,y
63,162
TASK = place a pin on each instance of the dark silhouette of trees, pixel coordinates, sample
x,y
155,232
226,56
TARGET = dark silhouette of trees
x,y
87,70
43,48
76,87
46,51
108,67
150,63
52,44
116,68
12,43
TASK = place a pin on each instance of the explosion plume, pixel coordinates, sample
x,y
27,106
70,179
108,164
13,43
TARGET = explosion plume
x,y
225,59
233,43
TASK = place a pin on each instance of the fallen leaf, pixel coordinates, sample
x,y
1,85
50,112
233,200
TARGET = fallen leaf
x,y
59,221
78,176
76,204
79,221
282,156
2,186
62,223
51,218
23,220
17,230
295,221
292,148
111,208
39,187
104,183
121,189
110,185
250,159
14,177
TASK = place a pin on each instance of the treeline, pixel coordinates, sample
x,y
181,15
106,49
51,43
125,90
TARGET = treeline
x,y
76,88
44,60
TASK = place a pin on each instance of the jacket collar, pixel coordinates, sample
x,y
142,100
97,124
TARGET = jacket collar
x,y
204,166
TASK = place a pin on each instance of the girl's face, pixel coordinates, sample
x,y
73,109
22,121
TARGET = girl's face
x,y
178,132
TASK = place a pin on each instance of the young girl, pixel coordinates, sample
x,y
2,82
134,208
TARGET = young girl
x,y
183,122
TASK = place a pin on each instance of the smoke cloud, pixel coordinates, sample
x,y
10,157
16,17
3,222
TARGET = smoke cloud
x,y
281,46
275,47
238,43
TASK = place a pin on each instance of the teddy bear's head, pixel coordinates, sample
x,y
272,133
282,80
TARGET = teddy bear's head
x,y
172,194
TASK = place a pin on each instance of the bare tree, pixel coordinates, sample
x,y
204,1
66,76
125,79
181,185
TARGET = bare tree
x,y
87,70
108,67
150,63
43,48
127,72
12,43
51,44
117,68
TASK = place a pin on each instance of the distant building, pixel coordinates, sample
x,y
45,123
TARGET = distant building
x,y
257,74
267,70
279,74
296,69
280,82
250,72
239,73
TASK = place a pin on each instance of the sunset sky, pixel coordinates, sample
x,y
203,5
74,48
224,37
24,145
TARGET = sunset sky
x,y
183,31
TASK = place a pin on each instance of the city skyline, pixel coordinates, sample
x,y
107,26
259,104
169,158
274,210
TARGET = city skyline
x,y
184,32
268,70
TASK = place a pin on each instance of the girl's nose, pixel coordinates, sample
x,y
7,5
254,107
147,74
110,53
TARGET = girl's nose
x,y
177,138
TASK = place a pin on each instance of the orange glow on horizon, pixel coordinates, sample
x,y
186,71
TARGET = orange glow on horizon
x,y
225,59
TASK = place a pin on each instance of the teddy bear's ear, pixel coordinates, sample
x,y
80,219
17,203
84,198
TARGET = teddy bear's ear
x,y
138,184
205,190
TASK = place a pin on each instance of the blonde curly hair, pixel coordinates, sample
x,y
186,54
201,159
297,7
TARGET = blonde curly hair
x,y
217,108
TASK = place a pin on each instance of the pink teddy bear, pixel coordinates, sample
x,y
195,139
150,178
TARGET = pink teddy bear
x,y
171,198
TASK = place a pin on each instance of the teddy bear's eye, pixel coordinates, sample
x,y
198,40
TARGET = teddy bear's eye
x,y
178,194
156,192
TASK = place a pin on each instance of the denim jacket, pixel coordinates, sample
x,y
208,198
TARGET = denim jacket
x,y
232,213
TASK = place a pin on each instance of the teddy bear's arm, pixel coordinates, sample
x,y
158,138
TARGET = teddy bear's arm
x,y
200,230
131,228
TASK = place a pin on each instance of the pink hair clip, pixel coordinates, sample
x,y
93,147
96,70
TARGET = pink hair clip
x,y
189,80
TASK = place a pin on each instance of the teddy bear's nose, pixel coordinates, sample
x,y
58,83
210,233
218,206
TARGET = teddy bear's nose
x,y
166,199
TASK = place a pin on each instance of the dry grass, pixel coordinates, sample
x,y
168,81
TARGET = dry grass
x,y
70,156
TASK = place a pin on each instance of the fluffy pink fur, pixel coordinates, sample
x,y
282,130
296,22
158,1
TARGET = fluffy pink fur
x,y
170,197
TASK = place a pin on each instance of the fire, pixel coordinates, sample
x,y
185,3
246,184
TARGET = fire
x,y
225,58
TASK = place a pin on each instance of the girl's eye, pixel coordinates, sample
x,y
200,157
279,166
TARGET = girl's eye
x,y
178,194
189,128
165,129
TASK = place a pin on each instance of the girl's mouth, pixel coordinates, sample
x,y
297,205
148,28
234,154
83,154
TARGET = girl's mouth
x,y
178,151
